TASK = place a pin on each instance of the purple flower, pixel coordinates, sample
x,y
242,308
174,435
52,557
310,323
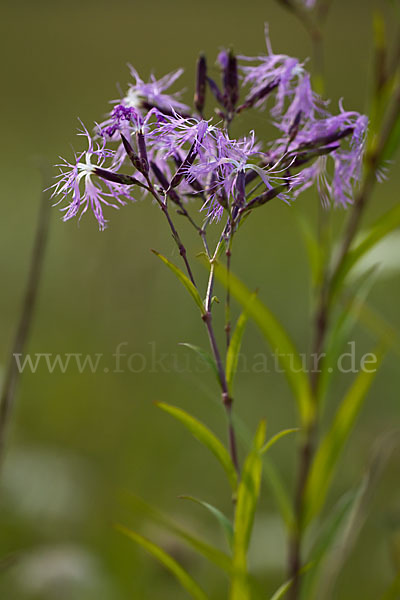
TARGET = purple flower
x,y
284,70
153,92
122,119
347,160
172,133
76,185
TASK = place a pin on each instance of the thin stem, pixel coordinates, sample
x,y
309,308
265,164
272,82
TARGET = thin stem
x,y
7,399
226,399
207,318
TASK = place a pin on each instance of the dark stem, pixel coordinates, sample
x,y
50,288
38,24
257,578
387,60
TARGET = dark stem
x,y
12,376
226,399
207,318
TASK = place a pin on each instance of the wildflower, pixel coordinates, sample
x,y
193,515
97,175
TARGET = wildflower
x,y
347,161
152,93
76,184
271,68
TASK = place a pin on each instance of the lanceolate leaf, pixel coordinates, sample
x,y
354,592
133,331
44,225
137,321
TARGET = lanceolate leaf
x,y
276,438
207,358
333,442
277,337
387,223
213,555
170,563
221,518
247,497
206,437
232,355
183,279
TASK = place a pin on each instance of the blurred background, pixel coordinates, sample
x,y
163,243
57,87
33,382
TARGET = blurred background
x,y
78,441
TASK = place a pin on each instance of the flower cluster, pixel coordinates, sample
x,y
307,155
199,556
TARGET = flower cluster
x,y
179,155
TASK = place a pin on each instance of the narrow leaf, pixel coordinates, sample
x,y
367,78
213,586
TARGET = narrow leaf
x,y
325,540
205,357
277,437
232,355
170,563
285,587
206,437
277,337
213,555
221,518
247,497
384,225
333,442
184,280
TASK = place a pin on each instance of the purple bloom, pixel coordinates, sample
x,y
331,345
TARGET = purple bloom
x,y
122,119
285,70
347,161
75,184
171,133
153,92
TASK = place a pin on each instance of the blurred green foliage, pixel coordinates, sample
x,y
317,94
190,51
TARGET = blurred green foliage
x,y
78,439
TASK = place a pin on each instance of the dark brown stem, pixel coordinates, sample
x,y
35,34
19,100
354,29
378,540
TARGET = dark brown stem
x,y
226,399
7,399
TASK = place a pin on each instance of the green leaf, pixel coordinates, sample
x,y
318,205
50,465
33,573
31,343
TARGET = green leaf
x,y
206,437
356,517
277,437
325,540
285,587
314,251
278,339
384,225
207,358
221,518
214,555
170,563
184,280
247,497
333,442
340,332
273,479
232,355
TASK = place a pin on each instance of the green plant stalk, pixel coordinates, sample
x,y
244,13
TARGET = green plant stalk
x,y
321,324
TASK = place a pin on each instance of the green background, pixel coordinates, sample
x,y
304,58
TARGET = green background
x,y
79,440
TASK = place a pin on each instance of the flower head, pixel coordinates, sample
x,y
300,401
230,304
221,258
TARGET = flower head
x,y
77,185
153,92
